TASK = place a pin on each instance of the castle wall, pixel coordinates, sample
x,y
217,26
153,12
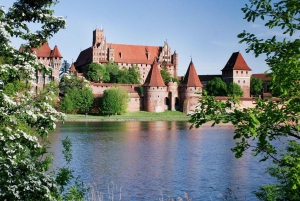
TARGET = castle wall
x,y
155,98
135,100
189,98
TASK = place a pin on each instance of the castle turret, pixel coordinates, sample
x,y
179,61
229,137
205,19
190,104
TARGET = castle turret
x,y
237,70
73,70
155,91
191,89
56,63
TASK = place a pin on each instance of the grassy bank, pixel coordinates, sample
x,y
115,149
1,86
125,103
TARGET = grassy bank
x,y
132,116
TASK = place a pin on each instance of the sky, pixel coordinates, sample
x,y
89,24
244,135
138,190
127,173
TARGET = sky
x,y
204,31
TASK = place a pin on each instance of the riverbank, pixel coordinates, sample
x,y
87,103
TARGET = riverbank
x,y
131,116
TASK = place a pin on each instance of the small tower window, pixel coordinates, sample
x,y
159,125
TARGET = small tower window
x,y
237,72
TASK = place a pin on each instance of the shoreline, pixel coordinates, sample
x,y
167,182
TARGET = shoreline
x,y
131,116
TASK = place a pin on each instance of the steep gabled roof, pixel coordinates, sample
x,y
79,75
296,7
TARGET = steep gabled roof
x,y
135,54
236,62
73,69
262,76
56,53
84,57
43,51
154,78
191,78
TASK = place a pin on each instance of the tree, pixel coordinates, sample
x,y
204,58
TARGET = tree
x,y
82,99
234,89
72,82
256,128
216,87
113,71
129,76
78,94
26,118
114,101
64,69
255,86
96,73
166,76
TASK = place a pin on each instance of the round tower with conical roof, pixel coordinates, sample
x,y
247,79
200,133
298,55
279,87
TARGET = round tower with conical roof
x,y
155,91
191,90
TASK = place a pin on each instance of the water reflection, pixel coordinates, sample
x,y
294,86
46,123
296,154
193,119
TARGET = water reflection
x,y
148,157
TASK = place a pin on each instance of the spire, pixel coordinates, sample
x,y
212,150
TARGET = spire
x,y
191,78
236,62
154,78
56,53
72,69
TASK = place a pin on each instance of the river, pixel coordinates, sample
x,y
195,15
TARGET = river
x,y
158,160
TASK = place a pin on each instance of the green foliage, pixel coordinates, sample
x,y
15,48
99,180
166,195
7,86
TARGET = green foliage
x,y
234,89
78,96
114,101
167,77
96,73
216,87
69,82
66,105
129,76
113,71
255,86
256,128
26,118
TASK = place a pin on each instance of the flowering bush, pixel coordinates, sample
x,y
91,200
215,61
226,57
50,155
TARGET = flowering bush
x,y
25,117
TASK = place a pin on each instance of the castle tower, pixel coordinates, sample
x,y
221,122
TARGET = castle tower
x,y
191,90
237,70
50,58
155,91
175,63
99,48
98,36
56,59
73,70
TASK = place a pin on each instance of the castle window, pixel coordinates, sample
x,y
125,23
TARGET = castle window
x,y
158,96
244,81
246,72
238,81
242,72
237,72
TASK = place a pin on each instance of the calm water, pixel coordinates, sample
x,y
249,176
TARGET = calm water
x,y
151,160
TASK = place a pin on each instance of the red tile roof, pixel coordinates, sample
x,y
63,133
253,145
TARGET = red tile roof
x,y
236,62
262,76
191,78
73,69
56,53
43,51
154,78
135,54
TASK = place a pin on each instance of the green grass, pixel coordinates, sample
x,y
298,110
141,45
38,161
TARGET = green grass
x,y
132,116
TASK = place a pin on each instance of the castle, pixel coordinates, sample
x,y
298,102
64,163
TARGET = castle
x,y
157,96
153,94
50,58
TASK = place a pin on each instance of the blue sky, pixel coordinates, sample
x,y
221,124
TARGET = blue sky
x,y
204,30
